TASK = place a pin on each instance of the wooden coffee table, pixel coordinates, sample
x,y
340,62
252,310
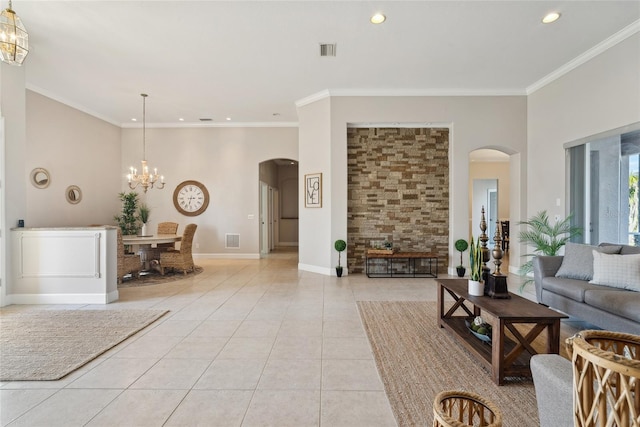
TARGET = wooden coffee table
x,y
508,355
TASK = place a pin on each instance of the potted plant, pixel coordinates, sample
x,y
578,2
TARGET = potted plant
x,y
340,246
127,220
546,239
143,215
475,268
461,245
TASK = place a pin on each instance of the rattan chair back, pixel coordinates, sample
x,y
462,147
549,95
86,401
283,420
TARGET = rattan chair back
x,y
606,378
462,409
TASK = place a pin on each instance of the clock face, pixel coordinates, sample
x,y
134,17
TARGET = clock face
x,y
191,198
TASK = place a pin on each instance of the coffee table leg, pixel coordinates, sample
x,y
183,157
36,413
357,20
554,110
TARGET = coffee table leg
x,y
497,352
553,337
440,304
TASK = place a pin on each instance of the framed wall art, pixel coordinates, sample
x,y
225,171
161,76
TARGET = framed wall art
x,y
313,190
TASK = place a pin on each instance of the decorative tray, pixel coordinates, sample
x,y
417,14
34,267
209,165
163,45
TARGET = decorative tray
x,y
485,338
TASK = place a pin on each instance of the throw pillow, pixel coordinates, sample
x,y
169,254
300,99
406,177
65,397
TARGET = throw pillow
x,y
619,271
578,260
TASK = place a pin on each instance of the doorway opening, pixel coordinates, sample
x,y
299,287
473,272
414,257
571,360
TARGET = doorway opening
x,y
278,202
489,189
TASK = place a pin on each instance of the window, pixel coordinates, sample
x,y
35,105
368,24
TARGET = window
x,y
604,196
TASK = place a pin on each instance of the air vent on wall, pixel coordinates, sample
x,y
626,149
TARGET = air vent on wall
x,y
328,49
231,240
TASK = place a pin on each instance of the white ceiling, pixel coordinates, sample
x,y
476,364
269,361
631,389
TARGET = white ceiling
x,y
252,60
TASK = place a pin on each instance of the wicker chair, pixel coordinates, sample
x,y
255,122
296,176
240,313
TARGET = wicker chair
x,y
606,378
181,259
127,263
460,408
167,228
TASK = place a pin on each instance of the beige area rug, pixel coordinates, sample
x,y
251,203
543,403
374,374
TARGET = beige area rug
x,y
40,345
155,278
417,360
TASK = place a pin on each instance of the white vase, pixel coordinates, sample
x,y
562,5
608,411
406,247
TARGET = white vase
x,y
476,288
143,232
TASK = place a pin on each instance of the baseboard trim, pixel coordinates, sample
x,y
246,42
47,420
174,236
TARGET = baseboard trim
x,y
226,256
63,298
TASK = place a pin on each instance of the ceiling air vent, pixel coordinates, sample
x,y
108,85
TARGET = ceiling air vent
x,y
205,119
328,49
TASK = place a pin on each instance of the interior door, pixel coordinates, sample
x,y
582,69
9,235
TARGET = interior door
x,y
264,217
492,213
276,216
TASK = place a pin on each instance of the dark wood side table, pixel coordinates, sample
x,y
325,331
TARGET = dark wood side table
x,y
506,356
402,264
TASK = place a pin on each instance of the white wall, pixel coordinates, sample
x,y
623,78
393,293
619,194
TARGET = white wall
x,y
76,149
476,122
315,224
12,173
226,161
600,95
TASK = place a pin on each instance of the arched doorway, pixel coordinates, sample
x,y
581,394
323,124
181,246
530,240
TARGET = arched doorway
x,y
278,204
490,191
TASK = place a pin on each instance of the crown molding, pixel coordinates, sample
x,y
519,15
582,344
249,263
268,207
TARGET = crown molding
x,y
313,98
212,125
71,104
601,47
327,93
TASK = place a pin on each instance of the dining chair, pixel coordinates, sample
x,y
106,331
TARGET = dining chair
x,y
127,263
167,228
183,258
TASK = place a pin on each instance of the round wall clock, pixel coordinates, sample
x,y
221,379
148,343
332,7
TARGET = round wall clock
x,y
191,198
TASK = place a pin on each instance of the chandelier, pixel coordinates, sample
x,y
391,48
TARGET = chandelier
x,y
14,40
145,179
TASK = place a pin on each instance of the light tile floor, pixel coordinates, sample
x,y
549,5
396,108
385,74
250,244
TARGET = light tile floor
x,y
246,343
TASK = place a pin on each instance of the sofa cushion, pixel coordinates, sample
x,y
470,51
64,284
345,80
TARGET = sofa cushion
x,y
630,250
569,288
613,300
578,260
620,271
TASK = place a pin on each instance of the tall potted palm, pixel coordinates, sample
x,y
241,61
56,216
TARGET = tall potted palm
x,y
127,220
546,239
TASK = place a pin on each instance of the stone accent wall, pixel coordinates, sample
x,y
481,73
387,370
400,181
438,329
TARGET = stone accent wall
x,y
398,190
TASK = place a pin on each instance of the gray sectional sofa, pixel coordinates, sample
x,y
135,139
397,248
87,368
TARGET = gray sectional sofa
x,y
579,284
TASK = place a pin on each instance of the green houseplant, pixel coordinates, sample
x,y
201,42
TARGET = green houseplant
x,y
143,214
461,245
339,245
546,239
475,268
127,220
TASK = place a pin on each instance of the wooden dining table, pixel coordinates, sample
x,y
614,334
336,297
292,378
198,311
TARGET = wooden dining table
x,y
144,244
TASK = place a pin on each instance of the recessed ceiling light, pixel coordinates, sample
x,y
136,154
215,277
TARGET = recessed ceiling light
x,y
228,118
134,120
550,17
181,119
378,18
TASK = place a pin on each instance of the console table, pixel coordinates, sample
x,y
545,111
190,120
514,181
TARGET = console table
x,y
401,264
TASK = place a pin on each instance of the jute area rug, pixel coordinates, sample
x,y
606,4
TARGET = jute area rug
x,y
40,345
417,360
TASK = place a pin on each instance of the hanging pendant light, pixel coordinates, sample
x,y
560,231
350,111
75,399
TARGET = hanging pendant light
x,y
145,179
14,39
